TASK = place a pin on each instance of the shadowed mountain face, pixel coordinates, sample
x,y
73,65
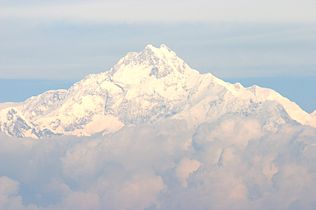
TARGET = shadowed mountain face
x,y
141,88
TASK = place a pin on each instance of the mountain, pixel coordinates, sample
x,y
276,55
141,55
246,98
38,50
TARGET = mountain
x,y
146,87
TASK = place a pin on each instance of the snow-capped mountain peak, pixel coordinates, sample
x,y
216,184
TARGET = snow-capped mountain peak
x,y
145,87
152,61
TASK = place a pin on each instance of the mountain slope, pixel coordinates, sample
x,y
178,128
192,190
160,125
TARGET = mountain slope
x,y
145,87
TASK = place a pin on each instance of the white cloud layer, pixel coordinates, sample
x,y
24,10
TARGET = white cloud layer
x,y
234,164
164,11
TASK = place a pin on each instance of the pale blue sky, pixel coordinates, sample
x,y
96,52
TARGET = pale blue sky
x,y
63,50
244,40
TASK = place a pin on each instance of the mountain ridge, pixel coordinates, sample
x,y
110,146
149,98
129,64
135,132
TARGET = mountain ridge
x,y
145,87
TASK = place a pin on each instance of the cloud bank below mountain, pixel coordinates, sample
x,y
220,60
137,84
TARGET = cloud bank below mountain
x,y
233,164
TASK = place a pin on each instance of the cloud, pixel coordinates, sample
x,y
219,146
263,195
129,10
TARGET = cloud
x,y
234,164
138,193
164,11
9,195
185,168
8,192
82,201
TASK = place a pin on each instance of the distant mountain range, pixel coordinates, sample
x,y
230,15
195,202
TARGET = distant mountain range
x,y
146,87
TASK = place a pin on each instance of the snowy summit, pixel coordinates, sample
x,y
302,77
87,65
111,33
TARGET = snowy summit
x,y
145,87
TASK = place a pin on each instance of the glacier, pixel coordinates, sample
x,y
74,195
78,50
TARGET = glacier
x,y
154,134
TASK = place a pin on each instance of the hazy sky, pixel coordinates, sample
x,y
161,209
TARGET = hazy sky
x,y
67,40
63,50
244,38
162,10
